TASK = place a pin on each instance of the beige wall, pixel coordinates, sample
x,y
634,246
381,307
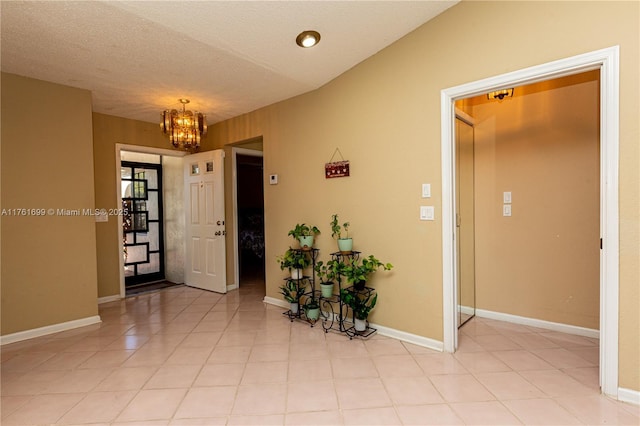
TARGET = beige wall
x,y
384,115
48,262
542,145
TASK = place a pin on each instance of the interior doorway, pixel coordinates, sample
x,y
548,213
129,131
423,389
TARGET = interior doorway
x,y
172,223
527,202
249,217
607,62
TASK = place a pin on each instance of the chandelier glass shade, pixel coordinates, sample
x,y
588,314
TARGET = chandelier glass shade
x,y
184,128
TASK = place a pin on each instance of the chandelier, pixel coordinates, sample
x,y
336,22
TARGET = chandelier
x,y
185,128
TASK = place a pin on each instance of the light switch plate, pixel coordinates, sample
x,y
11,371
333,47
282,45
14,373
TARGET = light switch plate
x,y
273,179
427,213
506,197
426,190
506,210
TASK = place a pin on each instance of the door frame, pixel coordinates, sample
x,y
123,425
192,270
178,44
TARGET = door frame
x,y
145,150
608,62
234,201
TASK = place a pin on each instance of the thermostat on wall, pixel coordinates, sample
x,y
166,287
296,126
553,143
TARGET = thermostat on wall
x,y
273,179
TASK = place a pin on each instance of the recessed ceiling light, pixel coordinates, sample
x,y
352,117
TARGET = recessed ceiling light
x,y
308,38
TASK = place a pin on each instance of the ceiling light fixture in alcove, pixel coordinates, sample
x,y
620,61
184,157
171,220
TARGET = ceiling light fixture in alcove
x,y
500,94
308,38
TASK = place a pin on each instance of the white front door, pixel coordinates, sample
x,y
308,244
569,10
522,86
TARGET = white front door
x,y
205,264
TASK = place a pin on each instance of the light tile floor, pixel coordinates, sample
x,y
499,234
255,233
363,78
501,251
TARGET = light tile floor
x,y
182,356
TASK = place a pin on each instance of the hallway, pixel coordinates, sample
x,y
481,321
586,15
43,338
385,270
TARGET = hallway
x,y
183,356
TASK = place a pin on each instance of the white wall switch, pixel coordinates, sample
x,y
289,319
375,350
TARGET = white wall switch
x,y
426,190
506,197
273,179
427,213
102,217
506,210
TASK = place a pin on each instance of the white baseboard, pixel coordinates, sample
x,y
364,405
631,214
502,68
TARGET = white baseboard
x,y
107,299
468,310
232,287
629,395
277,302
49,329
382,330
547,325
414,339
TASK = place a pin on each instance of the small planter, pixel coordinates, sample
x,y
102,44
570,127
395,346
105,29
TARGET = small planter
x,y
296,274
345,245
326,289
360,325
313,314
359,285
294,307
306,243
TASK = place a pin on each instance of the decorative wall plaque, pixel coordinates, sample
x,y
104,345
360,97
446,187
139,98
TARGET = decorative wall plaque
x,y
334,169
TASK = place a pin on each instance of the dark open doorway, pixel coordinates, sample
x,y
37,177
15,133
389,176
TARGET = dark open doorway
x,y
250,199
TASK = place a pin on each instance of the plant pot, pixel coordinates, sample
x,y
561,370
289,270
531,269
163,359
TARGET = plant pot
x,y
359,285
326,289
294,307
360,325
296,274
345,245
306,243
313,314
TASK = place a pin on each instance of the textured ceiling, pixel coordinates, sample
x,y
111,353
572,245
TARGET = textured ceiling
x,y
229,57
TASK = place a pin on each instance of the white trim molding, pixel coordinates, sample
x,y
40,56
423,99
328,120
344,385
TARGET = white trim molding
x,y
382,330
49,329
532,322
107,299
629,395
414,339
608,62
276,302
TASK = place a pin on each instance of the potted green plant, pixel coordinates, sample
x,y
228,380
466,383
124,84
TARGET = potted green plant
x,y
304,234
292,291
359,270
295,261
345,243
327,274
312,308
361,304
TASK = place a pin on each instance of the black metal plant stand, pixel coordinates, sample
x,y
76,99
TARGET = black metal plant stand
x,y
343,320
304,282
